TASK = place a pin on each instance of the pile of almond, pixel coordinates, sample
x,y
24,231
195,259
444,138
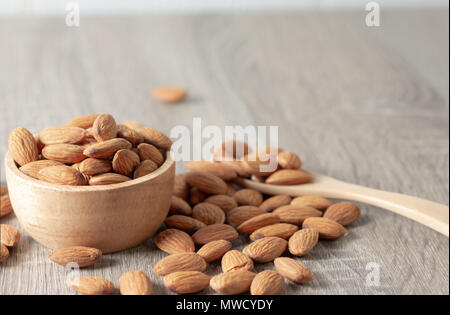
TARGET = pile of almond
x,y
89,150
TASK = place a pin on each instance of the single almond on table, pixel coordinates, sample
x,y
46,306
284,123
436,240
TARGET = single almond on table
x,y
62,175
234,282
275,202
22,146
235,260
179,206
174,241
215,232
296,214
328,229
125,161
91,285
144,168
219,169
206,182
92,166
64,153
62,134
196,196
106,149
317,202
255,223
289,160
282,230
3,190
150,152
224,202
108,179
214,250
155,137
9,235
85,121
267,282
208,213
32,169
184,223
293,270
239,215
5,205
344,213
186,282
135,282
289,177
169,94
303,241
180,262
82,256
4,253
266,249
248,197
104,127
130,134
180,187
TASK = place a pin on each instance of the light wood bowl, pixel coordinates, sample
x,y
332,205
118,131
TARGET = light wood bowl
x,y
110,217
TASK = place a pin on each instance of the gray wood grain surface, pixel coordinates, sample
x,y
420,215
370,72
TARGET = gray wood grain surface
x,y
364,105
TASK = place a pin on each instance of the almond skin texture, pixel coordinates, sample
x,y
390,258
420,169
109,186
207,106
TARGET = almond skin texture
x,y
328,229
32,169
180,262
275,202
184,223
84,122
83,256
92,166
266,249
104,127
108,179
155,137
215,232
64,153
267,282
9,235
289,177
144,168
4,253
282,230
239,215
225,202
179,206
106,149
296,214
251,225
62,175
169,94
219,169
207,183
317,202
62,134
196,196
5,205
208,213
132,135
236,260
234,282
248,197
303,241
344,213
174,241
125,161
150,152
22,146
214,250
289,160
180,187
186,282
91,285
293,270
135,282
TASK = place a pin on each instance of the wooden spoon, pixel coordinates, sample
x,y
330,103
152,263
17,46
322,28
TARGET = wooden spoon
x,y
428,213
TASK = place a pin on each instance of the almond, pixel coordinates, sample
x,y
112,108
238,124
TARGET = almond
x,y
234,282
91,285
9,235
3,190
106,149
224,202
82,256
184,223
62,134
125,161
22,146
328,229
186,282
214,250
206,182
144,168
104,127
169,94
150,152
238,167
5,205
4,253
181,188
231,150
344,213
261,164
155,137
92,166
266,249
108,179
208,213
236,260
303,241
289,160
282,230
215,232
39,144
317,202
275,202
62,175
179,206
130,134
196,196
296,214
289,177
293,270
135,282
231,190
239,215
132,124
64,153
267,282
219,169
174,241
251,225
248,197
32,169
84,122
180,262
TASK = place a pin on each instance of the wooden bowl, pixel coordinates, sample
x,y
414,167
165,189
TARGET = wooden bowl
x,y
109,217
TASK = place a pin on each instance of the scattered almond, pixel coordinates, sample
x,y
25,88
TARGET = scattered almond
x,y
125,161
303,241
214,250
255,223
215,232
32,169
289,177
5,205
224,202
179,206
150,152
186,282
9,235
282,230
169,94
248,197
108,179
328,229
62,175
234,282
22,146
62,134
239,215
267,282
289,160
293,270
91,285
180,262
208,213
344,213
92,166
174,241
4,253
144,168
317,202
235,260
82,256
135,282
206,182
296,214
64,153
184,223
266,249
104,127
275,202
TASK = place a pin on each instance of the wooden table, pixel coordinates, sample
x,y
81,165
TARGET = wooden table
x,y
366,105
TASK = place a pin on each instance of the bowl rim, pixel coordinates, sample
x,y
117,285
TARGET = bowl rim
x,y
166,166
